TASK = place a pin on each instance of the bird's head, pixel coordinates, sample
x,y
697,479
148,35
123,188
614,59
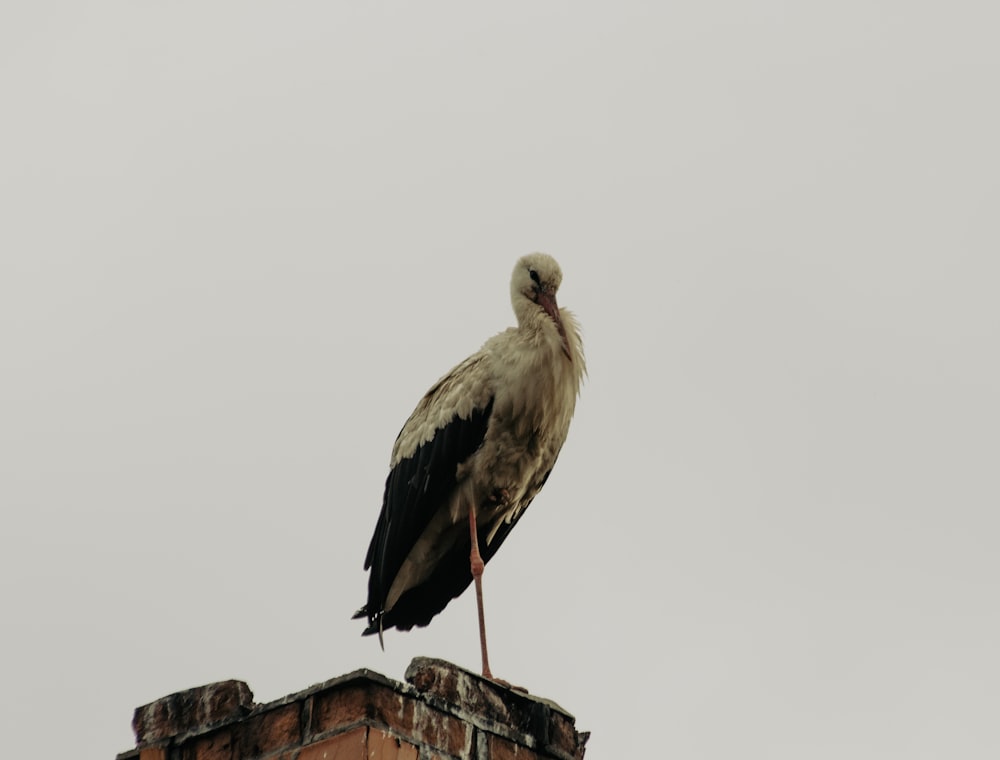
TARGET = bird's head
x,y
533,287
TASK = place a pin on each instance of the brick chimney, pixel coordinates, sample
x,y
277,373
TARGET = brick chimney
x,y
442,713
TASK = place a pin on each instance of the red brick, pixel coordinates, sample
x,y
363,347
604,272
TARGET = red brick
x,y
339,707
376,704
270,731
389,707
217,745
369,703
351,745
504,749
437,729
514,708
562,734
429,678
191,709
385,746
447,713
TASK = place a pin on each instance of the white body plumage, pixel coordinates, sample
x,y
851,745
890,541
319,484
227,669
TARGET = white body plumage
x,y
513,401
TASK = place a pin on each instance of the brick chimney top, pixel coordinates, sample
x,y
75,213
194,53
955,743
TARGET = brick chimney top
x,y
442,713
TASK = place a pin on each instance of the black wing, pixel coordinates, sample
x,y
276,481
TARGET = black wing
x,y
415,489
450,578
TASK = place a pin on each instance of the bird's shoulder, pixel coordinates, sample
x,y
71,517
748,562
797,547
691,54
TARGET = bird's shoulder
x,y
455,397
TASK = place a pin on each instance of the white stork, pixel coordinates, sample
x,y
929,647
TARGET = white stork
x,y
469,460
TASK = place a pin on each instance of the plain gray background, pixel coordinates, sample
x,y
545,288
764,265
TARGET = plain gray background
x,y
240,240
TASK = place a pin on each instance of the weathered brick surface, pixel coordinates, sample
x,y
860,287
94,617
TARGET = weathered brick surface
x,y
504,749
384,746
430,754
377,704
386,705
562,735
440,730
190,710
444,713
525,719
337,708
217,745
270,731
351,745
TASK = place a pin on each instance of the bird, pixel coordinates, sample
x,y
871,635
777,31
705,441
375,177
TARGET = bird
x,y
471,458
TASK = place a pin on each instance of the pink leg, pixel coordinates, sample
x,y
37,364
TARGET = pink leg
x,y
476,563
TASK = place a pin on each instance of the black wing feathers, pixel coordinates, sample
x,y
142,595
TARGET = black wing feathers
x,y
450,578
415,489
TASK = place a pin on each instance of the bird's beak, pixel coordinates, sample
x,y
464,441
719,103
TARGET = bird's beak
x,y
547,301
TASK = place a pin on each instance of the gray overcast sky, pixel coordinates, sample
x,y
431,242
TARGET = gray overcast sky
x,y
240,240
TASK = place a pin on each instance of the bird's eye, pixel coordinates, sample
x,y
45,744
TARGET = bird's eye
x,y
534,276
